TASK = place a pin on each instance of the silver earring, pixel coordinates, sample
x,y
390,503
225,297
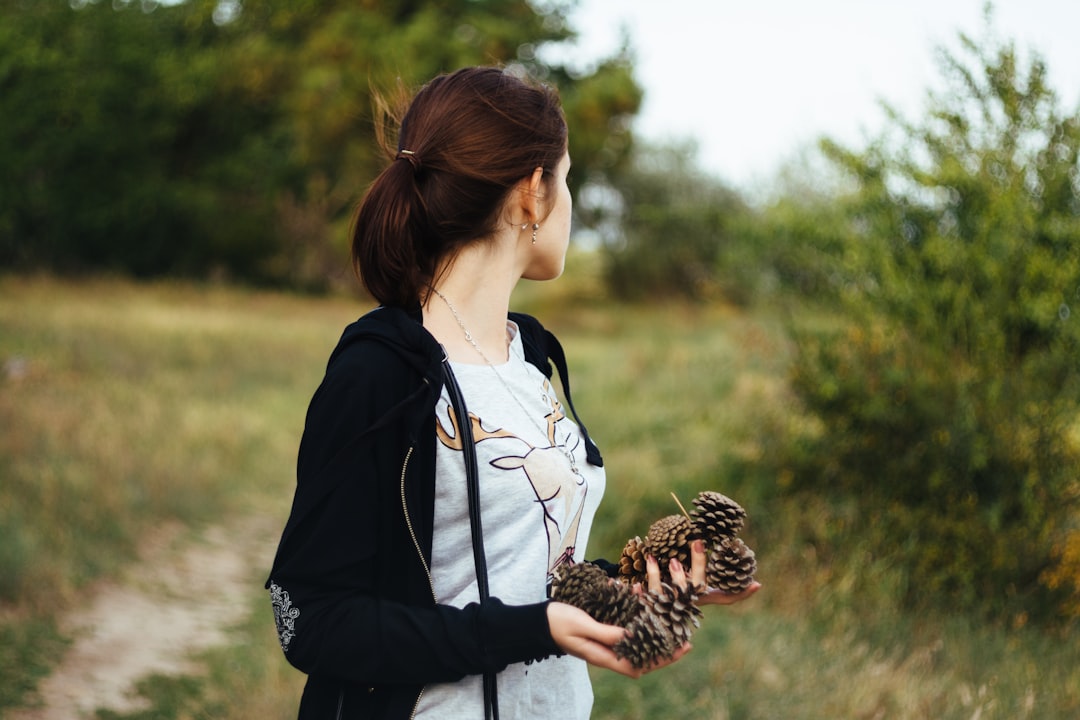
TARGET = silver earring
x,y
536,226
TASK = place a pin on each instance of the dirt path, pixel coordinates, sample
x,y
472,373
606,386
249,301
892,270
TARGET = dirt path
x,y
179,599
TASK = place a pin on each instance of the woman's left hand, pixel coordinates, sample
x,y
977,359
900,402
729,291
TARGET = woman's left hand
x,y
698,559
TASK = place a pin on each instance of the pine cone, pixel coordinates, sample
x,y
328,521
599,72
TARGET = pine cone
x,y
669,537
586,586
666,622
731,566
576,584
675,608
647,640
614,604
632,562
717,516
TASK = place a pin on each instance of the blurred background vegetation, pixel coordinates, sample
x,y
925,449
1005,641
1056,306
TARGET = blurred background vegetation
x,y
879,359
200,139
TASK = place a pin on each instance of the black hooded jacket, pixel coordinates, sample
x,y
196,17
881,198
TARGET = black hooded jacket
x,y
350,585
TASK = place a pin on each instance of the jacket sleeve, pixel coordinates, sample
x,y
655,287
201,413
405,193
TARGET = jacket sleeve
x,y
338,606
364,638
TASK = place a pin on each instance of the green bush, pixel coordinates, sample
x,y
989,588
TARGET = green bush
x,y
674,225
961,480
948,403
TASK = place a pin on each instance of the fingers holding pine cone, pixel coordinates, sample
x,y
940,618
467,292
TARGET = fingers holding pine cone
x,y
661,616
675,608
669,539
716,520
667,620
657,623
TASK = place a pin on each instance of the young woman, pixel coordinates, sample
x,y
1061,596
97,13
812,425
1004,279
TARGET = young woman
x,y
441,477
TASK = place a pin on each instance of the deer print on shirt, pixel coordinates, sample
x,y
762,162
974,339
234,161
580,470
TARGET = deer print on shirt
x,y
558,487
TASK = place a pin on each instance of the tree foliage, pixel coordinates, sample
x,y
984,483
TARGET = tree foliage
x,y
947,404
207,136
119,143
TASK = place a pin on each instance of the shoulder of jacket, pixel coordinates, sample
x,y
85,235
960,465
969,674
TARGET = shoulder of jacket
x,y
386,332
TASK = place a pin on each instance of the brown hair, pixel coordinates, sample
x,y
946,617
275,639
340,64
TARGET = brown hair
x,y
465,140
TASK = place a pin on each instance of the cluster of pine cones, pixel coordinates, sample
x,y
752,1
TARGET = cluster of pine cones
x,y
661,621
716,519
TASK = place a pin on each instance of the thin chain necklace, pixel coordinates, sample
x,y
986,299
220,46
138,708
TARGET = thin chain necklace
x,y
476,346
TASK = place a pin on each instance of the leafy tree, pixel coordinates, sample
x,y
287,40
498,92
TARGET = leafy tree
x,y
204,136
346,52
126,144
947,405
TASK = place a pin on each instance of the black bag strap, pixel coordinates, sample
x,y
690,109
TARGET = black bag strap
x,y
472,481
541,346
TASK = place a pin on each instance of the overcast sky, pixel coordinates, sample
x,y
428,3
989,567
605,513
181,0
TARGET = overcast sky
x,y
754,81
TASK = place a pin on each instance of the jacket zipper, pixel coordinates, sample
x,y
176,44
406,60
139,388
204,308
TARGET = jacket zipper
x,y
340,704
419,553
409,525
412,715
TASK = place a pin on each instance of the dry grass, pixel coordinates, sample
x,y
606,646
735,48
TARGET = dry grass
x,y
125,405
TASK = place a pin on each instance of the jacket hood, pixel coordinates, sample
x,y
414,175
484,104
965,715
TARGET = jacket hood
x,y
401,331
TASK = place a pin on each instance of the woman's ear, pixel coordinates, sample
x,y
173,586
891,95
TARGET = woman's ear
x,y
530,196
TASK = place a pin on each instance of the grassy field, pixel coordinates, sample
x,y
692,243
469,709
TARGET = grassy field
x,y
125,406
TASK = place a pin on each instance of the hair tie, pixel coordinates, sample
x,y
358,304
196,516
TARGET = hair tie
x,y
411,157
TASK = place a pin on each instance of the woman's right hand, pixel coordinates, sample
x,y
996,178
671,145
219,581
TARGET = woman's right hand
x,y
577,634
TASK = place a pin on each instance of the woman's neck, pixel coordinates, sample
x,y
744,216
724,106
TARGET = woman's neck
x,y
470,300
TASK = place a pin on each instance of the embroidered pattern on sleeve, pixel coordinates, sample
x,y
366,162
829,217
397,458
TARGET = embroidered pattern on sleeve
x,y
284,615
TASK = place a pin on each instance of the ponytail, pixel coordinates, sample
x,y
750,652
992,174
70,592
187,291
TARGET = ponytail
x,y
387,224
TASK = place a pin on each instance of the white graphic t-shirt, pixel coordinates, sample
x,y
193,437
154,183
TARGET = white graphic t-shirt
x,y
536,510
